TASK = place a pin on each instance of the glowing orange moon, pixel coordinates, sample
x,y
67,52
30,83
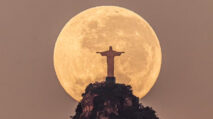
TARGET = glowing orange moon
x,y
77,64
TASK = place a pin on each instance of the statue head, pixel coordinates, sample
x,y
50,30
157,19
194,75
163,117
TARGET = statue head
x,y
110,47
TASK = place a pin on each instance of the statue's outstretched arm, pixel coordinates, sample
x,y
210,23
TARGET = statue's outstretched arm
x,y
103,53
118,53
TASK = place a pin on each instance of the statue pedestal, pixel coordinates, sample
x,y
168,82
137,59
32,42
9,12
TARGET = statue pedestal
x,y
110,79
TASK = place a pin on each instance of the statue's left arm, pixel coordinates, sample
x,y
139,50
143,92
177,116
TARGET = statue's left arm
x,y
118,53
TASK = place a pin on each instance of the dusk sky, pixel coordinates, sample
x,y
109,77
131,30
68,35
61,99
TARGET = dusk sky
x,y
30,89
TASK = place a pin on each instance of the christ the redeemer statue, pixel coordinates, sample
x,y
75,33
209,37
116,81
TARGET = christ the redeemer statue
x,y
110,54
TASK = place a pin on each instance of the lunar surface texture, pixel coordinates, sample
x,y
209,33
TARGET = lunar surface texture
x,y
77,64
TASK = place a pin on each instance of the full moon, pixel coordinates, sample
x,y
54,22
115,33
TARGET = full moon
x,y
77,64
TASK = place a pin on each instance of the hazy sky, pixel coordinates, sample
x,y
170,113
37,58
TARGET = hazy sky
x,y
29,88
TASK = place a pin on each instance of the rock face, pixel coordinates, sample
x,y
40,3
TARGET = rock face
x,y
111,101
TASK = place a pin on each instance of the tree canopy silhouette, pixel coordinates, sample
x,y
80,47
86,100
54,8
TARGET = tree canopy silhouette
x,y
111,101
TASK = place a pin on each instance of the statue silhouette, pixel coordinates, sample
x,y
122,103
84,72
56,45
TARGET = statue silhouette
x,y
110,54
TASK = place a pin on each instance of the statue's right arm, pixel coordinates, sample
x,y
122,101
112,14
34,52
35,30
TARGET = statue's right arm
x,y
103,53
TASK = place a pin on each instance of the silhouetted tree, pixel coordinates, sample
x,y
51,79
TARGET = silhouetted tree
x,y
111,101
